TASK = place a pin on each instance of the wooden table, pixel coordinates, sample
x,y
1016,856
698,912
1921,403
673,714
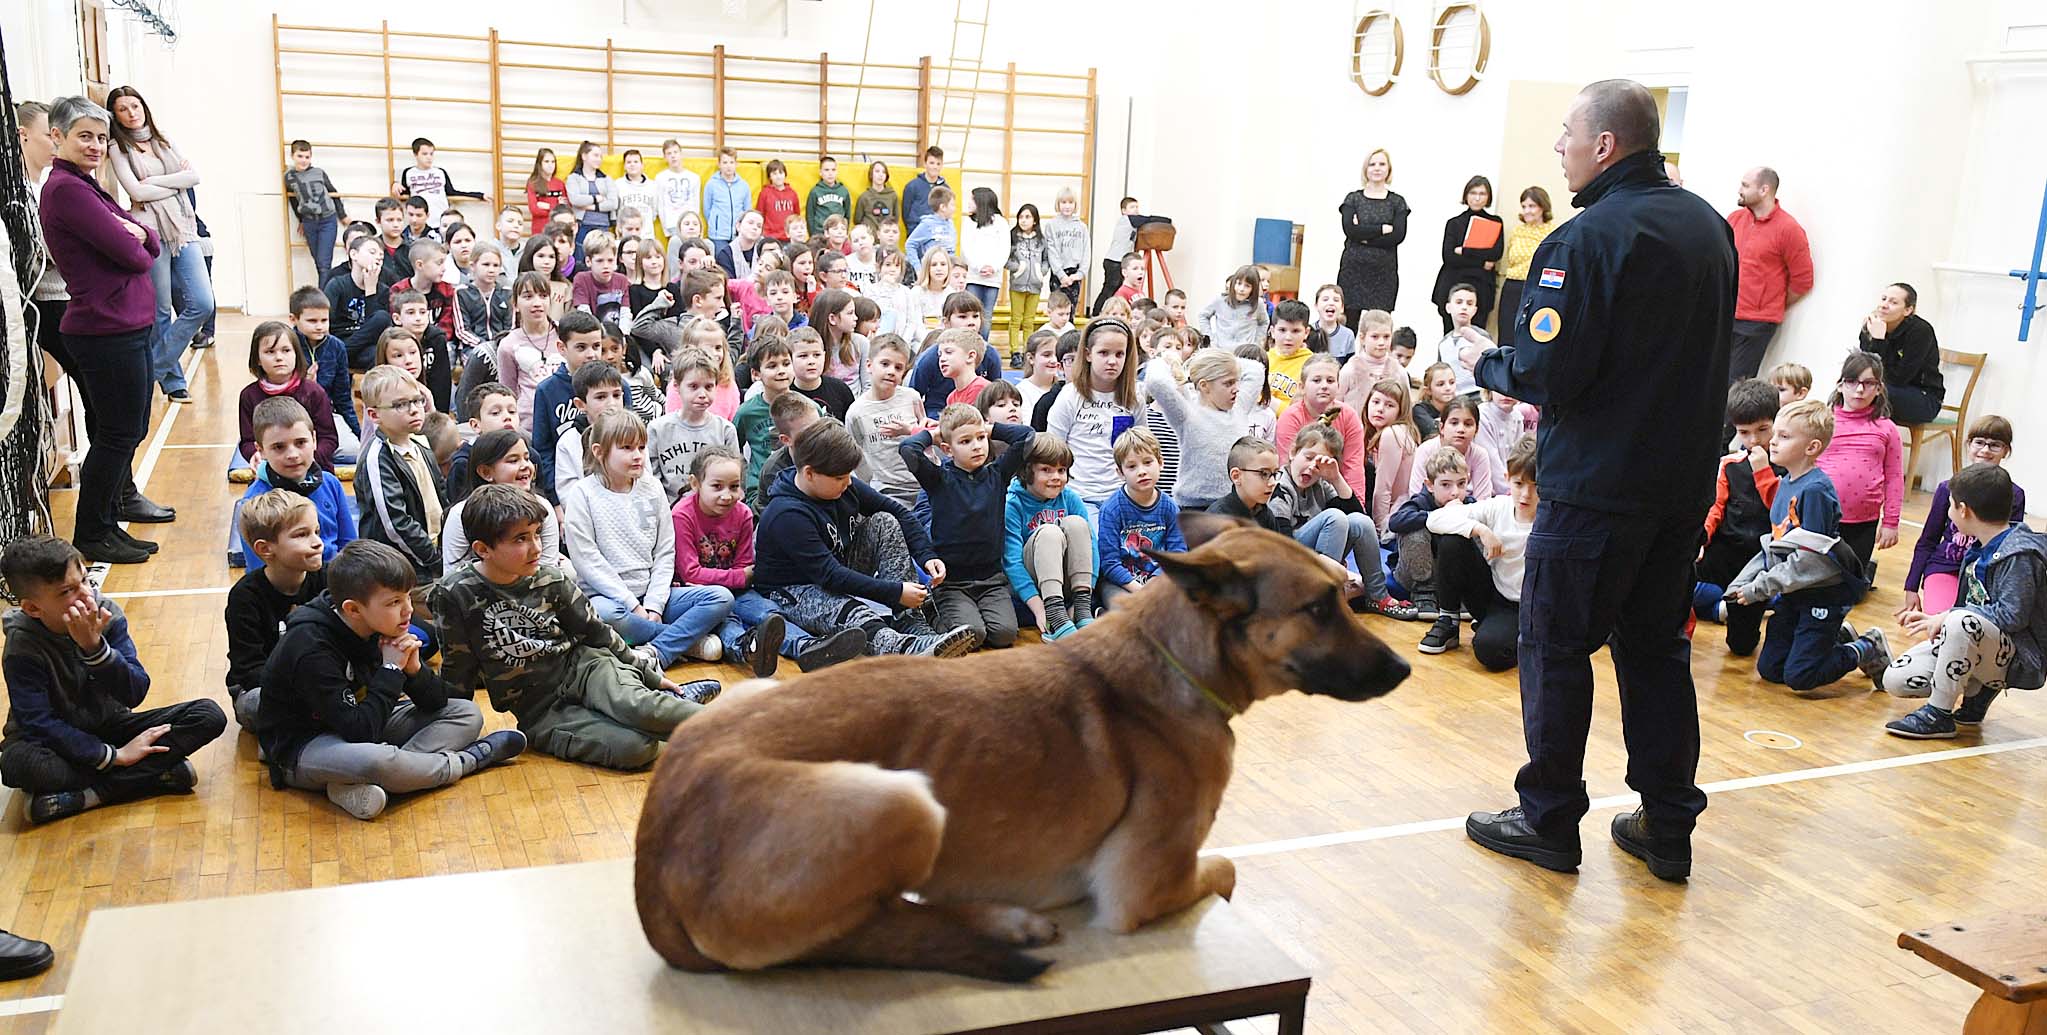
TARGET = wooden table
x,y
559,948
2005,956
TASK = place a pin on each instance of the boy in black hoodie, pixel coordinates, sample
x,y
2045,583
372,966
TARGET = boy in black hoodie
x,y
829,544
71,742
1740,517
331,718
282,528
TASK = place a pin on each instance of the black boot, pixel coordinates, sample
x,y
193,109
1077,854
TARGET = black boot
x,y
1669,858
1509,834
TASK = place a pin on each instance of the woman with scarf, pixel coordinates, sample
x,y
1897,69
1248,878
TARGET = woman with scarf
x,y
158,180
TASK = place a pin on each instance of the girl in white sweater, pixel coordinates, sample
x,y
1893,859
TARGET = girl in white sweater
x,y
1101,401
1209,413
622,545
1481,551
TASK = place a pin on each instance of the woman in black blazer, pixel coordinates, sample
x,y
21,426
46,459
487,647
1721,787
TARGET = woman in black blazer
x,y
1472,266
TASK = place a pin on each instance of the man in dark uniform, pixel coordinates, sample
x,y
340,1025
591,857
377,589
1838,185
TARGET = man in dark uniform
x,y
1622,339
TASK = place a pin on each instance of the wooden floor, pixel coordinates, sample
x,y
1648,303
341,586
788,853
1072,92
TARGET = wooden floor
x,y
1346,821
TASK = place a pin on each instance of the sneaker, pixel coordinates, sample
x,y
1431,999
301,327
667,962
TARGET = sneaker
x,y
1065,630
203,341
1509,834
361,800
700,691
1083,617
760,648
950,644
43,808
647,651
1669,858
1441,636
502,746
1974,708
1928,723
179,396
1425,605
1398,610
180,778
825,651
1846,633
1720,612
1873,654
707,649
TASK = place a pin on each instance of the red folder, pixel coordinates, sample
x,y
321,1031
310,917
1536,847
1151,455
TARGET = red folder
x,y
1481,233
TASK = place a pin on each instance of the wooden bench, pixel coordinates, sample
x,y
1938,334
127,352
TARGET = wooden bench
x,y
2005,956
559,948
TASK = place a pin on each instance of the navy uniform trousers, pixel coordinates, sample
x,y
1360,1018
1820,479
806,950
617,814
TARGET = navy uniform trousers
x,y
1595,578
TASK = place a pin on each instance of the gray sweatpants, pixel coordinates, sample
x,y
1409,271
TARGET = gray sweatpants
x,y
1061,557
982,605
1966,657
419,750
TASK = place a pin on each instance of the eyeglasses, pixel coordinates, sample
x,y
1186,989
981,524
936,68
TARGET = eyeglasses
x,y
1868,385
1267,473
414,405
1988,445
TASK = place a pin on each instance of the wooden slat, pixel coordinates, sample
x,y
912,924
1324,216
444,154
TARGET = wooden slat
x,y
2004,955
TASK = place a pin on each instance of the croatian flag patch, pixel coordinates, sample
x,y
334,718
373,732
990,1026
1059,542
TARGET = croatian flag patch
x,y
1551,278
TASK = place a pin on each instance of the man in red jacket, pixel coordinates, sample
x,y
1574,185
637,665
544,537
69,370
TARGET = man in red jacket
x,y
1776,269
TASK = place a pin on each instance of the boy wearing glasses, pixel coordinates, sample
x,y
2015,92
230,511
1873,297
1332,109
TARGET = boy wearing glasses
x,y
398,485
1254,473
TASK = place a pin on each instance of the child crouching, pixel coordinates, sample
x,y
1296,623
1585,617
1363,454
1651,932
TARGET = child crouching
x,y
1481,553
1048,548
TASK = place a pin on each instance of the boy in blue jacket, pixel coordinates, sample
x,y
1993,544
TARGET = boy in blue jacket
x,y
966,494
1136,518
1993,637
284,436
72,742
1048,547
833,553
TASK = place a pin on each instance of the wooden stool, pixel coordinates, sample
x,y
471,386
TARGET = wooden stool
x,y
559,948
2005,956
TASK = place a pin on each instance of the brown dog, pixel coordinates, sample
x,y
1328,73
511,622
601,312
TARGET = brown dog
x,y
786,825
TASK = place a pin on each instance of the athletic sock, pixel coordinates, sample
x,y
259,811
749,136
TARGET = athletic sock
x,y
92,798
1055,612
1083,605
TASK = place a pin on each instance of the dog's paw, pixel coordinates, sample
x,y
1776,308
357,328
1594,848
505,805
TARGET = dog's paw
x,y
1013,925
1218,875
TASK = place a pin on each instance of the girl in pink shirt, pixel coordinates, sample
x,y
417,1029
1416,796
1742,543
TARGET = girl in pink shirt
x,y
1865,458
714,547
1459,432
1390,437
1372,363
1318,396
527,354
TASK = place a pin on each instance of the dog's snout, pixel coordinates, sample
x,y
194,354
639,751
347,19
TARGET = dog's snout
x,y
1389,671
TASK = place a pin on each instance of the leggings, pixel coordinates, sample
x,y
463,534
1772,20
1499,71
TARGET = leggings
x,y
1061,556
1966,657
1861,535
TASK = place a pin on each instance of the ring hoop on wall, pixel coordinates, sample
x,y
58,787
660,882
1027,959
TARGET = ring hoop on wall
x,y
1398,50
1481,49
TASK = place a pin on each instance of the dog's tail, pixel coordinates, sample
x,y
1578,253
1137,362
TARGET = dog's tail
x,y
914,936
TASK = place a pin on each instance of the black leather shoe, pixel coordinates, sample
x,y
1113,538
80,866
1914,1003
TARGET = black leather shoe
x,y
1509,834
1669,858
145,510
23,957
112,549
143,544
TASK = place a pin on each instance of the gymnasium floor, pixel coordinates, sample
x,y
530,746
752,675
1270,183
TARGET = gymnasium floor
x,y
1346,822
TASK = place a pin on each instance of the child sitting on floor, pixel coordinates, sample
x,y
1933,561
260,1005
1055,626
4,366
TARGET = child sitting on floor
x,y
1992,639
829,544
71,742
622,545
1137,518
966,494
521,630
1328,516
281,370
883,416
1934,582
675,439
492,407
497,457
600,389
285,434
331,718
398,484
311,315
283,530
714,542
1815,577
1481,552
1447,480
1048,546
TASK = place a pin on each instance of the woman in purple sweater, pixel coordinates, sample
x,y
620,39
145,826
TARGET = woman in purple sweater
x,y
105,257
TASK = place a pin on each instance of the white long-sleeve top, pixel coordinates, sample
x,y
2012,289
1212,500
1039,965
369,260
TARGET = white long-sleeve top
x,y
1087,422
985,246
1497,514
622,544
1206,433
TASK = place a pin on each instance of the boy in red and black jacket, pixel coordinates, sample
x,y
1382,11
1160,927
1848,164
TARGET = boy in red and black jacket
x,y
778,202
1742,494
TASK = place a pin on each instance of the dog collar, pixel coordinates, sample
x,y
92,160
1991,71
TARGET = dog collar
x,y
1228,710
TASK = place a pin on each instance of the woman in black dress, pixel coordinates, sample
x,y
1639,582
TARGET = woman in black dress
x,y
1472,266
1374,224
1895,332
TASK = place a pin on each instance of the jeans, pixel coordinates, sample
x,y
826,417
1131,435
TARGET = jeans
x,y
1911,404
320,243
749,610
1621,580
986,294
113,371
175,328
1333,533
692,613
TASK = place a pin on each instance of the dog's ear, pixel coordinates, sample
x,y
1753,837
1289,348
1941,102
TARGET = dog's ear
x,y
1210,579
1199,526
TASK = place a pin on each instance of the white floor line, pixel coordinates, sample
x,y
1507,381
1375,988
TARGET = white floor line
x,y
142,594
38,1004
1346,837
200,445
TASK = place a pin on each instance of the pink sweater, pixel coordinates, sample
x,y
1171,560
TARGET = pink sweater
x,y
1347,424
1354,385
1866,462
1393,458
712,551
1476,456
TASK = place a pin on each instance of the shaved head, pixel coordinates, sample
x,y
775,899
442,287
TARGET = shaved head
x,y
1624,108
